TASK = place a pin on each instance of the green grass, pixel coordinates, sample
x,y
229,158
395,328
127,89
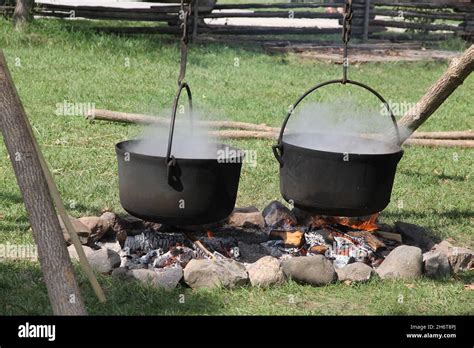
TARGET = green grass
x,y
26,294
69,61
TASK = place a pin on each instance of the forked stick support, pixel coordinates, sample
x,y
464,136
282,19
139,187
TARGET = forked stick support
x,y
40,195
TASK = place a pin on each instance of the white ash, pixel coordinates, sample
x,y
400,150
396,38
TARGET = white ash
x,y
175,256
341,251
151,240
314,238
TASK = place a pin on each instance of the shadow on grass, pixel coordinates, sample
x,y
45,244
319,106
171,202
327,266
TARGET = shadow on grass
x,y
453,214
442,176
24,293
11,197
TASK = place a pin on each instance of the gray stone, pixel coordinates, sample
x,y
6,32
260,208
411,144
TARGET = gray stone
x,y
276,215
356,272
104,260
314,270
120,273
82,230
251,252
210,274
404,262
460,259
414,235
115,246
167,278
266,271
73,253
246,217
436,264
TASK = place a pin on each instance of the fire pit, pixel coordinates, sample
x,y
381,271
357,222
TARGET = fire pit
x,y
266,248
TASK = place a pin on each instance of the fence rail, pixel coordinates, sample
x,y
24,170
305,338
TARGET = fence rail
x,y
371,18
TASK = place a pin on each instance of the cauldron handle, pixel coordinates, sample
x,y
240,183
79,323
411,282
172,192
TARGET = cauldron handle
x,y
278,148
170,159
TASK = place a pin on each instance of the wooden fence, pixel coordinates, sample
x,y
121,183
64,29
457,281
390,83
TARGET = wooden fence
x,y
372,18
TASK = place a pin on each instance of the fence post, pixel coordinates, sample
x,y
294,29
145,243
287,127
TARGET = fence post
x,y
365,35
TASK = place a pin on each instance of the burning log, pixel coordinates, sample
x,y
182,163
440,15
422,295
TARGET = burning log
x,y
318,249
369,238
201,246
390,236
356,223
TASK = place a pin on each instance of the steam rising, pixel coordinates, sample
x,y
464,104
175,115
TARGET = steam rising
x,y
342,127
188,141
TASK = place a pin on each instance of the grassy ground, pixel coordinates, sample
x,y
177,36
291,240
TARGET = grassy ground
x,y
56,61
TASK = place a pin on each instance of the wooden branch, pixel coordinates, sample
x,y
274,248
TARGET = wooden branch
x,y
453,135
441,143
201,246
63,291
244,130
115,116
453,77
240,134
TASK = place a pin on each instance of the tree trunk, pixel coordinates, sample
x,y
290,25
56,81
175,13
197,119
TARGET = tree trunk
x,y
22,13
57,269
457,72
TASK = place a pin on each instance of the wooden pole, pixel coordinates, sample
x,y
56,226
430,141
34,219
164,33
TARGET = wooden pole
x,y
63,213
63,291
452,135
468,144
459,69
116,116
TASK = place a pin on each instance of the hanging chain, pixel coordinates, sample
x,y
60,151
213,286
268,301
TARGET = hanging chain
x,y
184,12
346,36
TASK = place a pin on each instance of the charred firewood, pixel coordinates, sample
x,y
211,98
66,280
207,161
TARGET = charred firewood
x,y
370,239
151,240
290,238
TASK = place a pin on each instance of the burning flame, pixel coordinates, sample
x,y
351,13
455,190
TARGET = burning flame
x,y
369,224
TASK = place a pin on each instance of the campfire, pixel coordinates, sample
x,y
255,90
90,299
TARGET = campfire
x,y
340,239
265,248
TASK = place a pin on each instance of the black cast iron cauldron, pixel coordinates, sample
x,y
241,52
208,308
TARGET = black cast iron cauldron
x,y
178,191
333,183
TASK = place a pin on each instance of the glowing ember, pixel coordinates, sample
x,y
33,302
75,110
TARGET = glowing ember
x,y
358,223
